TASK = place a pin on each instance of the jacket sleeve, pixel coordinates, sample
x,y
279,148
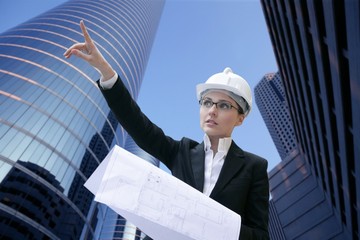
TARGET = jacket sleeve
x,y
146,134
254,225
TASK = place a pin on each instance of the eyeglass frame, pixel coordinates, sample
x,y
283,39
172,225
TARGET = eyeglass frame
x,y
239,109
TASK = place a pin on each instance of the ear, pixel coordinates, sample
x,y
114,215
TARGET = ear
x,y
240,120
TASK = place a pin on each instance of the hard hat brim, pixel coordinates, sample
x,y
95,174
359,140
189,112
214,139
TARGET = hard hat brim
x,y
202,87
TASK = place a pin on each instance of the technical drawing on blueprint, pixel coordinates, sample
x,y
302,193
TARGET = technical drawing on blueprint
x,y
158,203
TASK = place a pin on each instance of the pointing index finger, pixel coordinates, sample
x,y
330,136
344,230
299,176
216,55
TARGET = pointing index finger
x,y
85,32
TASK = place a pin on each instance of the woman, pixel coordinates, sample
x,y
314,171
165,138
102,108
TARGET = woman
x,y
217,167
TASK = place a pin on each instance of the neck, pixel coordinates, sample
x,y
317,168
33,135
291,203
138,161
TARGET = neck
x,y
214,144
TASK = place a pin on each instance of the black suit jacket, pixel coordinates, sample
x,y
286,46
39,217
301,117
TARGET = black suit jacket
x,y
243,182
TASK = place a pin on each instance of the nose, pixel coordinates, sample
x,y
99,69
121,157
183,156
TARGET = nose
x,y
213,109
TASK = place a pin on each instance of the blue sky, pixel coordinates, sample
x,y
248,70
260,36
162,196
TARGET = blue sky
x,y
195,39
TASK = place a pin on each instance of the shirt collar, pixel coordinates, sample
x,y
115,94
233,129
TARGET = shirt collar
x,y
224,144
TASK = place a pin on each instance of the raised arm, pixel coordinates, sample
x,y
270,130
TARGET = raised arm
x,y
88,51
146,134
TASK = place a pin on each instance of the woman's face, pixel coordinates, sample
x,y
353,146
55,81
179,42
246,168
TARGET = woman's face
x,y
217,122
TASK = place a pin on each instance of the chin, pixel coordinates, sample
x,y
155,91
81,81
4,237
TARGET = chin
x,y
212,134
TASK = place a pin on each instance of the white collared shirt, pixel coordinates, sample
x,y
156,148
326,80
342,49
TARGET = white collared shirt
x,y
213,164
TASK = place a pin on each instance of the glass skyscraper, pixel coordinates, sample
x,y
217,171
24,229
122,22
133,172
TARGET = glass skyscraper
x,y
55,126
317,48
298,207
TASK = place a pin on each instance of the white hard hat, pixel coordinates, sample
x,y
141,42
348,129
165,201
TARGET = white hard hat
x,y
237,86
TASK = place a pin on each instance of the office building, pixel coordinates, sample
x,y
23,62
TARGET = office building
x,y
270,100
298,205
55,126
317,47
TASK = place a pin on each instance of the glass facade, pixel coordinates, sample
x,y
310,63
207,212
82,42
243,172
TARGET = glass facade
x,y
55,126
316,44
298,208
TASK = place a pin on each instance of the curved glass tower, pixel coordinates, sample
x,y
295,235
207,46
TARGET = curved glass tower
x,y
55,126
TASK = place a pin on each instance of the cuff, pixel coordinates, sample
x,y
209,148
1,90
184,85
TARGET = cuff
x,y
108,83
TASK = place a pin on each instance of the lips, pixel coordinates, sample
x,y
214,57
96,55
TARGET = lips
x,y
211,122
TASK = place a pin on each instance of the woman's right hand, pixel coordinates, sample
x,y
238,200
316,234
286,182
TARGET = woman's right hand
x,y
90,53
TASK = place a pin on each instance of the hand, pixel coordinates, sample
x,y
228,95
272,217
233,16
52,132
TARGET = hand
x,y
90,53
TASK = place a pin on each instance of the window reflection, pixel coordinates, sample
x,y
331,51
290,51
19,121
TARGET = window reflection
x,y
26,193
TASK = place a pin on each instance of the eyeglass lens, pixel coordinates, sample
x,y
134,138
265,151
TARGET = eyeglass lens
x,y
223,105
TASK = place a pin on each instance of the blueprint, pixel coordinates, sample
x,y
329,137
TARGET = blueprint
x,y
158,203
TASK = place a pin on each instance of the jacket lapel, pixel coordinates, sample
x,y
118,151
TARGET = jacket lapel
x,y
197,156
234,161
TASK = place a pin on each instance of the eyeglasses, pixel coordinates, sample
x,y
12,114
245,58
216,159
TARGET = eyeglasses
x,y
221,105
